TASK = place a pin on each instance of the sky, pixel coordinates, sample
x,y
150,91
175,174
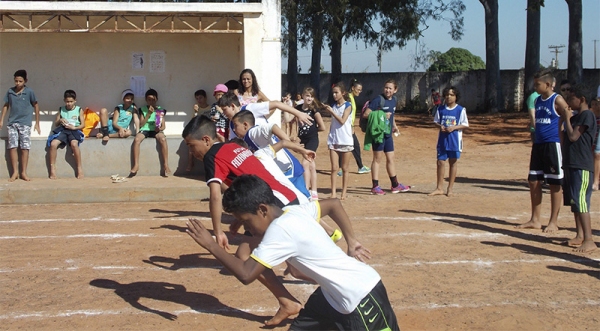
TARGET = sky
x,y
512,27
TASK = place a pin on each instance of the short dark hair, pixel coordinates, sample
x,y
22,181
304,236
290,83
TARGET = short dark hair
x,y
456,92
578,91
244,116
229,98
199,127
151,92
545,75
21,73
565,81
246,193
200,92
70,94
232,85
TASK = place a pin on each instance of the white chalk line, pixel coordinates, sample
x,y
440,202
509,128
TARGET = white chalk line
x,y
271,310
477,262
480,262
91,235
100,219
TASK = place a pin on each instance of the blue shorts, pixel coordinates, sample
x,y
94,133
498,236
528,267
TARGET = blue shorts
x,y
444,155
111,128
386,146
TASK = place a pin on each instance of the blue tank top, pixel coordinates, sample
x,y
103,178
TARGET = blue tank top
x,y
546,120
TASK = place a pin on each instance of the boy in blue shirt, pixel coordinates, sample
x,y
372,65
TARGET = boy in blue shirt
x,y
451,119
546,156
21,102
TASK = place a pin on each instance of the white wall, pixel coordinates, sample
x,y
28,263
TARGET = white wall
x,y
98,67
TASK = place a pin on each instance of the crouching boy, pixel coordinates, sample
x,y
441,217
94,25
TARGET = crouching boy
x,y
351,295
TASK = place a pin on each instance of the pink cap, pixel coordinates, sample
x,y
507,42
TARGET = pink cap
x,y
220,88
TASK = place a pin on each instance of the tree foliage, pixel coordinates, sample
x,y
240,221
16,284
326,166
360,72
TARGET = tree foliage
x,y
455,59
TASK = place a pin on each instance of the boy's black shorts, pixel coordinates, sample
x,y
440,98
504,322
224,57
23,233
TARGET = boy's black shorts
x,y
374,312
66,136
150,134
546,163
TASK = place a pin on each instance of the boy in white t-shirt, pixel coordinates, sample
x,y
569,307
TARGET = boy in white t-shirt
x,y
351,295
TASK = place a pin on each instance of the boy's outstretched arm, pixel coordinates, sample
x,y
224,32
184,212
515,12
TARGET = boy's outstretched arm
x,y
216,211
245,271
334,209
308,155
279,133
302,117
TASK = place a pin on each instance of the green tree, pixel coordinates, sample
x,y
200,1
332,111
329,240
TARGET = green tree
x,y
456,59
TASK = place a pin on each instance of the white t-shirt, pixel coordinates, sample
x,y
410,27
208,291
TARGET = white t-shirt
x,y
296,237
261,136
260,110
266,157
340,133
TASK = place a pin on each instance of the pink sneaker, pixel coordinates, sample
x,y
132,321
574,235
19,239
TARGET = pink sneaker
x,y
314,196
400,188
377,191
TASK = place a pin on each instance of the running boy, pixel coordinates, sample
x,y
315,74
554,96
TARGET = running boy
x,y
118,125
546,156
452,119
351,295
21,102
68,123
150,115
578,164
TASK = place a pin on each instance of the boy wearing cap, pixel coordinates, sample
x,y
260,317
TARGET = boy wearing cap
x,y
118,125
216,114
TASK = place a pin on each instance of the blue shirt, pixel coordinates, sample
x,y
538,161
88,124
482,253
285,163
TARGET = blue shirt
x,y
546,120
451,141
389,106
20,105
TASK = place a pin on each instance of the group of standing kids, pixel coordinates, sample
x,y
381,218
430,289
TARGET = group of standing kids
x,y
562,159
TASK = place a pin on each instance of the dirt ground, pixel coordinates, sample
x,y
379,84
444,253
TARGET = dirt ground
x,y
453,263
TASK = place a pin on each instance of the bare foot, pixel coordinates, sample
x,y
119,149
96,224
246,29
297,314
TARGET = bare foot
x,y
167,172
551,228
587,246
529,225
343,197
595,187
577,241
449,194
289,309
79,173
99,135
13,177
133,172
105,138
25,177
52,172
436,192
333,196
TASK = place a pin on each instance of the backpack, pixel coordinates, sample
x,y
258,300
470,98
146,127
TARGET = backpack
x,y
90,120
362,123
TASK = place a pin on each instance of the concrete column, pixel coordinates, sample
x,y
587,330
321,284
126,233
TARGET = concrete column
x,y
262,50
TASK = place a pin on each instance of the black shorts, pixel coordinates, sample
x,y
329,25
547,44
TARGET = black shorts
x,y
150,134
546,163
374,312
310,143
66,136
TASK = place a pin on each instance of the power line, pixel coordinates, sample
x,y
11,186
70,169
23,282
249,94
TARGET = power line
x,y
556,51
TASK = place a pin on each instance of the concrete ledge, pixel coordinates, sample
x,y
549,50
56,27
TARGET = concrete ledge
x,y
104,159
100,190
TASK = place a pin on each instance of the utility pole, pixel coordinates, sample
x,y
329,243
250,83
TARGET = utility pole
x,y
556,51
595,40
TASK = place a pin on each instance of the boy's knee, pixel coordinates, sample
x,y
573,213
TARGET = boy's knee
x,y
103,111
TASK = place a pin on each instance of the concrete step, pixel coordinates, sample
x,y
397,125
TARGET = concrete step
x,y
102,189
